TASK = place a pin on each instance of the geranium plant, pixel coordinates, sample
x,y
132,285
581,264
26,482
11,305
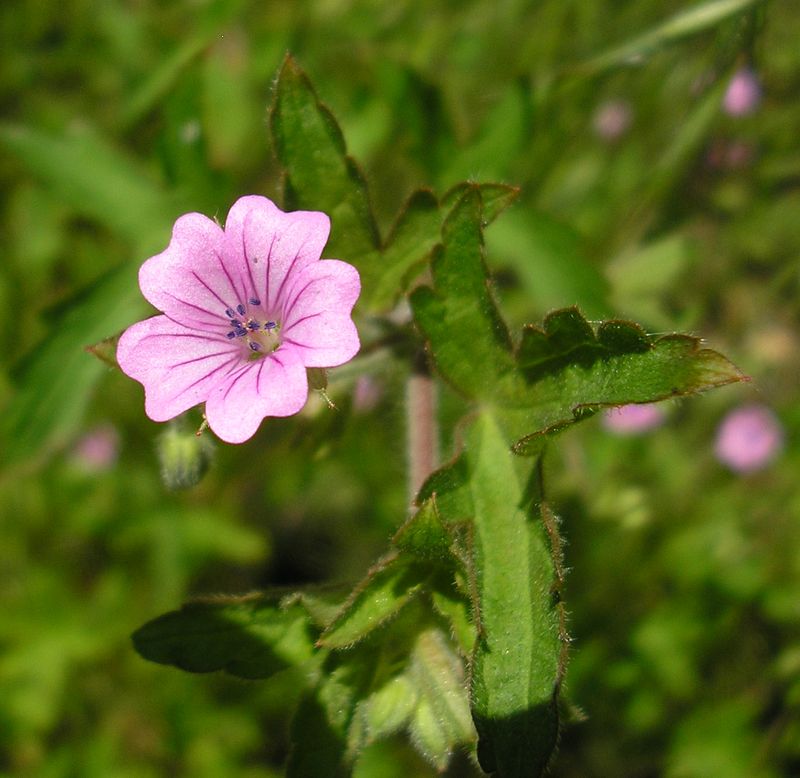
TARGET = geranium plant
x,y
457,635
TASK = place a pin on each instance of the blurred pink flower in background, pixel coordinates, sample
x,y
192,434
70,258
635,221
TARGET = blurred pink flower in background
x,y
247,308
366,394
633,419
749,438
743,94
97,450
612,119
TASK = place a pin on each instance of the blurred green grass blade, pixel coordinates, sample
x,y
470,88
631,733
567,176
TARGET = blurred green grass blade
x,y
692,21
517,664
84,170
55,385
460,321
163,77
96,181
319,173
249,637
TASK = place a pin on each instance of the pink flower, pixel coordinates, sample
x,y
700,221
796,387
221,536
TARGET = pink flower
x,y
97,451
632,419
749,438
743,94
246,309
612,119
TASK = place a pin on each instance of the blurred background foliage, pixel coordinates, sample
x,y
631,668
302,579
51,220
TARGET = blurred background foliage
x,y
640,196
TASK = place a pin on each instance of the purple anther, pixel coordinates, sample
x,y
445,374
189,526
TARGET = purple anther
x,y
254,301
229,313
270,325
240,308
230,335
253,325
240,333
255,346
236,323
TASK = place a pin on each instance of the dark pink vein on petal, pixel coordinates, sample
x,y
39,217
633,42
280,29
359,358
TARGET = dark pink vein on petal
x,y
228,276
243,370
198,335
200,359
216,320
289,271
288,307
300,321
268,268
224,304
203,378
246,260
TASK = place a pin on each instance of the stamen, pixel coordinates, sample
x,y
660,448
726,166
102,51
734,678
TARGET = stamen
x,y
255,346
229,313
240,333
253,325
236,323
240,308
230,335
270,325
254,301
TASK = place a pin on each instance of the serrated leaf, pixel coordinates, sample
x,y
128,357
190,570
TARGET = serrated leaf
x,y
319,174
250,637
517,664
469,340
620,364
495,198
424,536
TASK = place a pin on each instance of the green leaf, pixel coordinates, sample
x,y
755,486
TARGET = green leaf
x,y
389,586
250,637
441,720
517,664
616,364
415,233
495,198
319,173
89,174
54,388
458,317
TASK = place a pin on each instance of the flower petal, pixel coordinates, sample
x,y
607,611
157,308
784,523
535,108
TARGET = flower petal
x,y
191,280
273,386
316,315
270,246
177,366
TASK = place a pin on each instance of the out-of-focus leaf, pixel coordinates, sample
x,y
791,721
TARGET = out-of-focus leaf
x,y
250,637
162,78
691,21
53,390
319,173
85,171
459,318
549,260
99,182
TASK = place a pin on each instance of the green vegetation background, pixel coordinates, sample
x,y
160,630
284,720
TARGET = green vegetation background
x,y
684,590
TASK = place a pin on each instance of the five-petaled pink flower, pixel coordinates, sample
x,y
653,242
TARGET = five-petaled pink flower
x,y
246,309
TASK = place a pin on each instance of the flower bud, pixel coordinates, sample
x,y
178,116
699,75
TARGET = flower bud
x,y
184,456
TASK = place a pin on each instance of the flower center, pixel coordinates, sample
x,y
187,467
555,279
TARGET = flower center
x,y
254,328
